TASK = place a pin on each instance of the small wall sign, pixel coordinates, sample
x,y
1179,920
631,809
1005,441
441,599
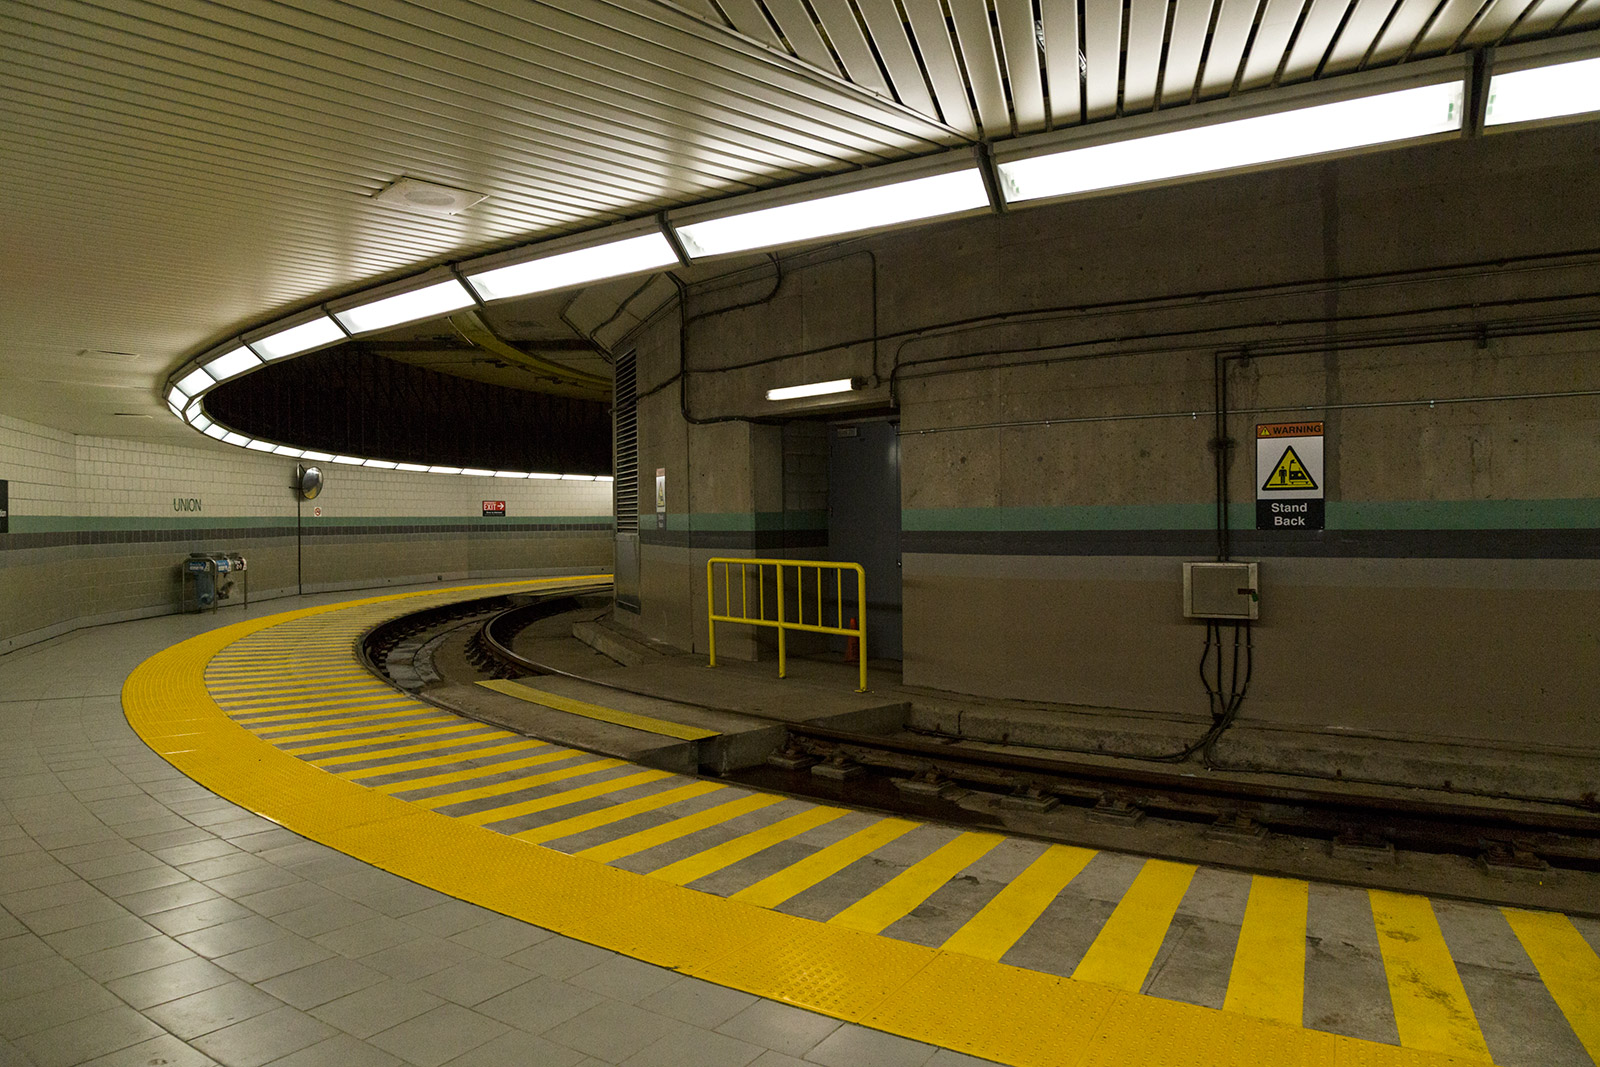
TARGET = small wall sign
x,y
1290,485
494,509
5,507
661,498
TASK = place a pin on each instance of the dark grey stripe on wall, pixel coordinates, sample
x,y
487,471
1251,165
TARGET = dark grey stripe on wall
x,y
1365,544
746,541
242,533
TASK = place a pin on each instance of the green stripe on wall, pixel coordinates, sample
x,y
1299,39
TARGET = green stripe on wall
x,y
1341,515
205,521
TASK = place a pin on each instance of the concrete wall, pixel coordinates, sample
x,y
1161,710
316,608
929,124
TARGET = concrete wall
x,y
1053,373
98,527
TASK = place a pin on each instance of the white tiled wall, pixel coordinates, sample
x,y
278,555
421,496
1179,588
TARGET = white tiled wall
x,y
52,473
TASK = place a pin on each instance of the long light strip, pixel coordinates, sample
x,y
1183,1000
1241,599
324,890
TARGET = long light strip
x,y
615,259
297,339
1544,92
196,382
227,365
795,392
440,299
830,216
1307,131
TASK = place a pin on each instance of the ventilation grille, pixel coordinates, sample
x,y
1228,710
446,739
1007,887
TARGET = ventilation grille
x,y
626,444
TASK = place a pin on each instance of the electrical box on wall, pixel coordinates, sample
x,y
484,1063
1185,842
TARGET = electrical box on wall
x,y
1229,591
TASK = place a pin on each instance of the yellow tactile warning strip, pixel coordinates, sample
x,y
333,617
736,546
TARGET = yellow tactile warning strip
x,y
599,712
464,812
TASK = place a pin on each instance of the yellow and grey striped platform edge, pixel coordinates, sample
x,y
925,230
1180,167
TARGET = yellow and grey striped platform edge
x,y
598,712
951,996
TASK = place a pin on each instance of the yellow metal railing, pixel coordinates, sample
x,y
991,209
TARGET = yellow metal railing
x,y
752,577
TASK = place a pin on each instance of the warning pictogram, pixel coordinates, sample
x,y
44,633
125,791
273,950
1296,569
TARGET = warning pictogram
x,y
1289,474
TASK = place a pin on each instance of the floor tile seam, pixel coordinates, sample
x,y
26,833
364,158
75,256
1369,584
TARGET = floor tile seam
x,y
375,821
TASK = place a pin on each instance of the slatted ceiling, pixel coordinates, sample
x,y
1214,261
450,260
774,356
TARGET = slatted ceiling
x,y
1059,24
1543,17
939,59
1449,25
1585,15
850,44
1410,18
1020,44
1147,30
1355,40
1225,54
1273,33
794,20
1316,34
981,58
1494,22
1102,50
1181,75
748,18
888,32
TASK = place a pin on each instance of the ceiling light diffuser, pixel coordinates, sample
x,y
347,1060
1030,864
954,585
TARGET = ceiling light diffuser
x,y
236,438
1307,131
319,457
841,213
238,361
196,382
549,477
430,302
220,433
261,446
381,464
444,470
286,450
1544,92
614,259
297,339
795,392
415,468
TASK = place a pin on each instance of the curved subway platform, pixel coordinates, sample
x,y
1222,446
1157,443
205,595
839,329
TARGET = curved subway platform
x,y
232,919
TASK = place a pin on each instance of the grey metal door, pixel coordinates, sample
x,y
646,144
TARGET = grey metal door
x,y
864,521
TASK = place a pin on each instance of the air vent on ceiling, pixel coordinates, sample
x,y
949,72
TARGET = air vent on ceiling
x,y
409,194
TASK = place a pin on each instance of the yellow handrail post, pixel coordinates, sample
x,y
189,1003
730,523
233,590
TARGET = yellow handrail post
x,y
861,620
711,610
783,665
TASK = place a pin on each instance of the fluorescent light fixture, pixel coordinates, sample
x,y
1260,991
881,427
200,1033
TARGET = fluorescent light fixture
x,y
510,474
614,259
354,461
577,477
551,477
176,410
201,423
193,411
236,438
261,446
218,432
319,457
476,473
414,468
604,478
841,213
434,300
381,464
795,392
238,361
1546,92
286,450
196,382
444,470
178,397
297,339
1307,131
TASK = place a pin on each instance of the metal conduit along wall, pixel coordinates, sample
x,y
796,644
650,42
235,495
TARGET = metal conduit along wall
x,y
1054,378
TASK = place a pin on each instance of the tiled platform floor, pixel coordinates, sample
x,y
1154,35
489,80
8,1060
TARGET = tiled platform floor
x,y
147,922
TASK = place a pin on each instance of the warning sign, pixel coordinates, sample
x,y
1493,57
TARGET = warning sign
x,y
1289,476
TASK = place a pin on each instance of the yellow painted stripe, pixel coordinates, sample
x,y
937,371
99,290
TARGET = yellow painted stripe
x,y
890,903
822,864
990,934
1431,1009
595,711
478,773
335,714
374,727
244,713
500,789
570,796
1269,964
1567,965
1127,945
342,760
728,853
455,755
245,702
682,827
226,695
436,731
616,813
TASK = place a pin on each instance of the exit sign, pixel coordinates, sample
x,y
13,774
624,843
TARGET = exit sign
x,y
494,509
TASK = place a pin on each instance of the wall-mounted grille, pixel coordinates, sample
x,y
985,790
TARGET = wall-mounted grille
x,y
625,418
